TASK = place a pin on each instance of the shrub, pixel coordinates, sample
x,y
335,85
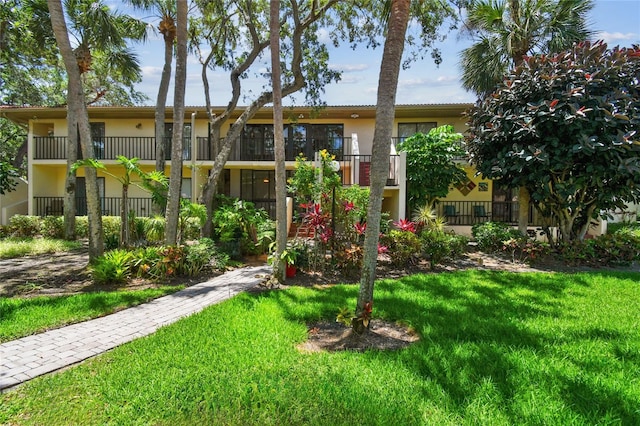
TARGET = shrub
x,y
403,247
113,267
154,228
24,226
349,260
198,256
437,246
491,235
82,227
52,227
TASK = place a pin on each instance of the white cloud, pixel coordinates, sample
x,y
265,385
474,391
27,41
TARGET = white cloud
x,y
150,71
617,37
349,67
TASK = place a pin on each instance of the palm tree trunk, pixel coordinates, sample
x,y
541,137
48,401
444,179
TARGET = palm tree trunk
x,y
69,210
124,217
161,103
385,112
175,182
77,110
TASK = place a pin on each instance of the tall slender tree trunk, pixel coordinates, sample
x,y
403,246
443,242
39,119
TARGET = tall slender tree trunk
x,y
124,217
278,136
385,112
161,103
70,207
77,110
175,182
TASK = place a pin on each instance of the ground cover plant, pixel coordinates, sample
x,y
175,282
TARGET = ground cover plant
x,y
18,247
495,348
21,317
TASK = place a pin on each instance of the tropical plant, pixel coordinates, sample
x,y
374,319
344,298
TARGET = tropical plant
x,y
491,235
114,267
165,10
505,31
431,164
570,135
131,167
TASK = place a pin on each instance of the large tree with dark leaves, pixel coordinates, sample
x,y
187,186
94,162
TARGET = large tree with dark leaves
x,y
565,126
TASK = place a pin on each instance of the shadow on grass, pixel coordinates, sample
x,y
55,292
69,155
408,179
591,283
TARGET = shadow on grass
x,y
493,327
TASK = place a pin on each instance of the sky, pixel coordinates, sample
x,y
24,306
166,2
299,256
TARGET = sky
x,y
617,22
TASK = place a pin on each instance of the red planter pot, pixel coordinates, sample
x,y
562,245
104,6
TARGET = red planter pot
x,y
290,271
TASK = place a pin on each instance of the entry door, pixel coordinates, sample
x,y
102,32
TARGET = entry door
x,y
503,202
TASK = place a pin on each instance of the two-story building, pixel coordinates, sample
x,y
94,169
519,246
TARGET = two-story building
x,y
345,131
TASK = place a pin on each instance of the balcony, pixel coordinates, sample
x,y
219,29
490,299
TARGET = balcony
x,y
472,212
110,147
356,170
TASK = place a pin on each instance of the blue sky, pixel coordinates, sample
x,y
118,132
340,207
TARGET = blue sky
x,y
615,21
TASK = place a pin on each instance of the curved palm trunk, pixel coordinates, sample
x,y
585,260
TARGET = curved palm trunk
x,y
77,112
175,182
161,103
278,135
70,207
385,112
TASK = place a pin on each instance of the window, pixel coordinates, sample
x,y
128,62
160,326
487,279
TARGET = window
x,y
257,142
406,130
186,141
310,138
185,191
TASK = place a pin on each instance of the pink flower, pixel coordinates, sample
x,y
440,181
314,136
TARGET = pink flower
x,y
348,206
325,235
360,227
382,249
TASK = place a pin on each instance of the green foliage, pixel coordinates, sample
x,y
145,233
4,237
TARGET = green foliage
x,y
24,226
431,164
304,183
8,177
154,228
18,247
52,227
565,126
437,245
404,247
198,256
191,220
114,267
241,228
525,250
82,227
490,236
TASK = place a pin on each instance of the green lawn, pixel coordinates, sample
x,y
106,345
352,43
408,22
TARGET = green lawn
x,y
495,348
21,317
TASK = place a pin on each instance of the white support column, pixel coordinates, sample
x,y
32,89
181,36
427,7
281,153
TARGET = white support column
x,y
402,185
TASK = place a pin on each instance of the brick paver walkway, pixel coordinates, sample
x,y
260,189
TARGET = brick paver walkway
x,y
32,356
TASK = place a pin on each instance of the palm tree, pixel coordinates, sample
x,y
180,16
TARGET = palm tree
x,y
78,119
175,181
385,112
166,11
505,32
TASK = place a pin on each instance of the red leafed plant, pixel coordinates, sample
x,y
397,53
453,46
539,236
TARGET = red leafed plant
x,y
405,225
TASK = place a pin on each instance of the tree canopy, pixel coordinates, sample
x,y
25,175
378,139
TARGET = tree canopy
x,y
565,126
431,164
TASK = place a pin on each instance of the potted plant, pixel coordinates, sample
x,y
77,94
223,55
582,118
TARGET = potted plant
x,y
289,256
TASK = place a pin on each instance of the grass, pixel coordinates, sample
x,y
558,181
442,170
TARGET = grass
x,y
21,317
18,247
496,348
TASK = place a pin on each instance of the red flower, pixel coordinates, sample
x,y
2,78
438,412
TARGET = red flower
x,y
360,227
405,225
325,235
348,206
382,249
553,103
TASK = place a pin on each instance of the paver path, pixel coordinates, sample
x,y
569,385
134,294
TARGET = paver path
x,y
32,356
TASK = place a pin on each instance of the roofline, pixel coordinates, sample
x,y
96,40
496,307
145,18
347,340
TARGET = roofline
x,y
22,115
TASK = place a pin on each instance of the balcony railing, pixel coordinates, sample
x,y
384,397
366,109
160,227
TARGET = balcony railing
x,y
472,212
110,147
356,170
144,148
53,206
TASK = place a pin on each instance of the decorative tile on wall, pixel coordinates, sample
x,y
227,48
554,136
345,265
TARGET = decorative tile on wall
x,y
466,187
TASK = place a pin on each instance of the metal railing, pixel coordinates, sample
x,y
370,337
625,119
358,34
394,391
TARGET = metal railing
x,y
53,206
356,170
109,147
472,212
